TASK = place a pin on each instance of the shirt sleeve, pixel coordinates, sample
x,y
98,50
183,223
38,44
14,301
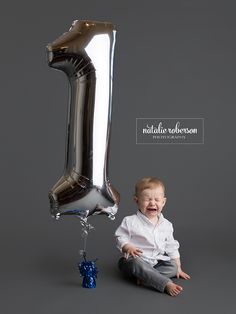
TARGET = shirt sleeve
x,y
172,245
122,234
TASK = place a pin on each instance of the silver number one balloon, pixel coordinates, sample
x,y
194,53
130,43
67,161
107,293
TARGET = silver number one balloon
x,y
85,53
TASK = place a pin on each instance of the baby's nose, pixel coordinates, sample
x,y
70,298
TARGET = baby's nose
x,y
152,202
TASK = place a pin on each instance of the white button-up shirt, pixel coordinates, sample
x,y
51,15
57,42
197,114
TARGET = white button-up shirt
x,y
156,241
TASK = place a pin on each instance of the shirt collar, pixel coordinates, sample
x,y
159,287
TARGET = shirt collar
x,y
146,220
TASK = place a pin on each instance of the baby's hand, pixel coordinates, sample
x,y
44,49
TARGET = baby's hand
x,y
131,250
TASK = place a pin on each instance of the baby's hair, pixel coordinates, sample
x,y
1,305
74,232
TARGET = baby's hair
x,y
147,183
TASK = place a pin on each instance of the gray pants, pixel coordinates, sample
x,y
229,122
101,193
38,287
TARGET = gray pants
x,y
156,276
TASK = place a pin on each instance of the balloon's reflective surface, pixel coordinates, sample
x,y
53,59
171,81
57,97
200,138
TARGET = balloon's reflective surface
x,y
85,53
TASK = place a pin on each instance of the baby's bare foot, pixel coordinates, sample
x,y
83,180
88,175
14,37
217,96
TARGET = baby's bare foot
x,y
173,289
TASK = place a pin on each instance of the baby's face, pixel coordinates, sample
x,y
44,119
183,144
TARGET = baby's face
x,y
151,201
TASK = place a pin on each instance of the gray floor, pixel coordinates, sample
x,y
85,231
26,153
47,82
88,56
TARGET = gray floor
x,y
40,275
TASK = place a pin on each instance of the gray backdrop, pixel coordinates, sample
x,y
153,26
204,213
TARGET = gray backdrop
x,y
172,59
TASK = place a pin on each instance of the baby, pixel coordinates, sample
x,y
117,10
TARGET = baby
x,y
151,253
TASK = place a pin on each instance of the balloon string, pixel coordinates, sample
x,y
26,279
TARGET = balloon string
x,y
85,246
86,228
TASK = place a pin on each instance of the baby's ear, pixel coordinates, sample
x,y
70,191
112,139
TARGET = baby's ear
x,y
135,199
164,200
